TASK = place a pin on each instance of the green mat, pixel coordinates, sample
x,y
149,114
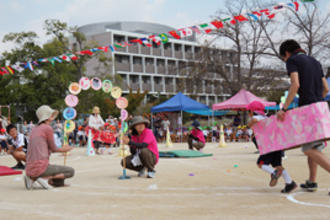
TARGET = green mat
x,y
183,153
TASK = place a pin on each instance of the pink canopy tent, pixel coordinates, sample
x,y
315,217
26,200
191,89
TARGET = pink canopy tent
x,y
240,101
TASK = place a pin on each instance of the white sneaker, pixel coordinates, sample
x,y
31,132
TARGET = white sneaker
x,y
141,173
28,182
151,174
44,183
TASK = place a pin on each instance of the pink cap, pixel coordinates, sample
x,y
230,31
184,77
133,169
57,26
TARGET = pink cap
x,y
256,107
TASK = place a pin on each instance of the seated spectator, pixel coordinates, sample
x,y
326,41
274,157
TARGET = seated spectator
x,y
17,146
3,141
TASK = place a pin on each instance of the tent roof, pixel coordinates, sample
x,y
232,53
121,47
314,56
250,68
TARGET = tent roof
x,y
240,101
179,102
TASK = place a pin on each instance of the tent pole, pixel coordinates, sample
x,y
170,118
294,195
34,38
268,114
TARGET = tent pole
x,y
152,122
181,127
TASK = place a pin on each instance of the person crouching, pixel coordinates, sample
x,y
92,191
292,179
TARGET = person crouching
x,y
196,137
143,148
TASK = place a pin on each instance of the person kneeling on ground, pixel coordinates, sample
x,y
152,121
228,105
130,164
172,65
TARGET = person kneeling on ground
x,y
256,112
196,137
40,147
17,146
143,147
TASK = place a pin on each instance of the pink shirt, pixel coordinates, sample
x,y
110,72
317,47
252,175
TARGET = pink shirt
x,y
41,144
148,137
199,134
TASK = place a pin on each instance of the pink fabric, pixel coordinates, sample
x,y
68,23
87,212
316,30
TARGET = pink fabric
x,y
147,137
301,126
240,101
41,144
199,134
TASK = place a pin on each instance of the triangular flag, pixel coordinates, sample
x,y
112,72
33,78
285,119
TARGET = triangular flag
x,y
205,28
10,70
217,24
73,57
17,67
57,59
146,42
4,70
185,32
174,34
86,52
155,39
65,57
28,65
105,49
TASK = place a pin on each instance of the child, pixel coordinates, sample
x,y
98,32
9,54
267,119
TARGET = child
x,y
273,158
17,145
82,136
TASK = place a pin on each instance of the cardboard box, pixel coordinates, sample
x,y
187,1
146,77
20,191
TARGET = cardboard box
x,y
301,126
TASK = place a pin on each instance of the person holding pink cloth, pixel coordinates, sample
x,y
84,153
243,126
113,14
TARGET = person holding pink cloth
x,y
196,137
143,148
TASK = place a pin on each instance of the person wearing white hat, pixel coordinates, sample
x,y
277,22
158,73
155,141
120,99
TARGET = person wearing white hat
x,y
41,145
96,122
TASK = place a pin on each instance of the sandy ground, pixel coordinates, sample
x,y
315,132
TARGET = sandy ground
x,y
217,189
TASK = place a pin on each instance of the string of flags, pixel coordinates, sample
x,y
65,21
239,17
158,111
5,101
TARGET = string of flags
x,y
205,28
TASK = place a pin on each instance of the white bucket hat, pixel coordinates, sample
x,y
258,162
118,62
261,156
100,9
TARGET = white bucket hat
x,y
44,112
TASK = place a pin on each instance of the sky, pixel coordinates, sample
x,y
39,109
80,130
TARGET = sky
x,y
29,15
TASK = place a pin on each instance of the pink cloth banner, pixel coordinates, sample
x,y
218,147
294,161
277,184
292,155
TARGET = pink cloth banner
x,y
301,126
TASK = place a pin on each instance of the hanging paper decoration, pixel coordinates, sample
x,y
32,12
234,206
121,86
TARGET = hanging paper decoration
x,y
69,126
71,100
107,86
123,114
84,83
69,113
96,83
74,88
125,127
121,103
116,92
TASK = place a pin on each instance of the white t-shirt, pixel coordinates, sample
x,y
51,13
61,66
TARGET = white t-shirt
x,y
18,142
81,133
205,132
166,124
3,137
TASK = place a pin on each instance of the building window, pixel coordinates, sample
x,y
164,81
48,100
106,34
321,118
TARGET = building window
x,y
122,59
160,62
119,39
177,47
187,48
134,78
149,61
137,60
167,46
158,80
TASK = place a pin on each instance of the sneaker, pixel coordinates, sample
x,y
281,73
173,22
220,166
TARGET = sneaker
x,y
289,187
309,186
151,174
44,183
274,177
28,182
142,173
19,166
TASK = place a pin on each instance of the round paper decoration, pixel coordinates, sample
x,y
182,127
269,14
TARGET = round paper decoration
x,y
69,113
116,92
69,126
121,103
71,100
123,114
74,88
96,83
107,86
125,127
84,83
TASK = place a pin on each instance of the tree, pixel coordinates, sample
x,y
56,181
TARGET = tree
x,y
47,84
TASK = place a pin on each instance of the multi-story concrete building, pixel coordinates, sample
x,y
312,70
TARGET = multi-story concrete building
x,y
156,69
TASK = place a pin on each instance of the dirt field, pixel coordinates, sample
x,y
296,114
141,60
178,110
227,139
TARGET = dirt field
x,y
215,189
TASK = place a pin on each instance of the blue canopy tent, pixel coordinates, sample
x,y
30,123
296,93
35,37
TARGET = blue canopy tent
x,y
179,103
294,104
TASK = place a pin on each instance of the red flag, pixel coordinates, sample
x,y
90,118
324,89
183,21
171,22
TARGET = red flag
x,y
240,18
154,39
217,24
105,49
137,41
86,52
174,34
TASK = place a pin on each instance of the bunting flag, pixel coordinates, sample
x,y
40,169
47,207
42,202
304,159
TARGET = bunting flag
x,y
205,28
10,70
